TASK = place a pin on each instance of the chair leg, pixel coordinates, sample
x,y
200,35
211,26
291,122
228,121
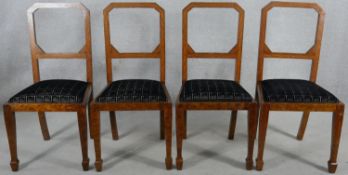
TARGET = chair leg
x,y
10,122
168,136
89,116
264,113
252,127
179,137
96,137
337,121
233,122
162,125
43,125
303,125
185,125
82,121
113,123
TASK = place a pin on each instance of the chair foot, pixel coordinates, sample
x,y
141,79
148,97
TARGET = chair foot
x,y
14,165
85,165
98,165
230,137
332,167
249,164
259,165
179,163
169,163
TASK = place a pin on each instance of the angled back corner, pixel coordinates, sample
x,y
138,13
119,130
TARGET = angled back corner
x,y
312,54
236,51
38,53
113,53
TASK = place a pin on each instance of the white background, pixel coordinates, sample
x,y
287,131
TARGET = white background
x,y
209,30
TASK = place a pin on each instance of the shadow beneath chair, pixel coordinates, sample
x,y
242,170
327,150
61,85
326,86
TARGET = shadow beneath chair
x,y
216,152
121,134
63,129
52,149
132,152
275,129
293,156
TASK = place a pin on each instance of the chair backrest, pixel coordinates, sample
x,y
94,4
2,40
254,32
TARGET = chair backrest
x,y
312,54
38,53
234,53
113,53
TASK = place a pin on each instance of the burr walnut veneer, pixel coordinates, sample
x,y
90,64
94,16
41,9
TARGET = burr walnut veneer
x,y
214,94
139,94
295,95
52,95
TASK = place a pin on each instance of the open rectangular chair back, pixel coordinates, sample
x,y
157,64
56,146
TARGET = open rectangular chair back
x,y
234,53
113,53
38,53
312,54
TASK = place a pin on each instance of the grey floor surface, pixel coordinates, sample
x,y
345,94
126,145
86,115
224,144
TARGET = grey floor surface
x,y
206,151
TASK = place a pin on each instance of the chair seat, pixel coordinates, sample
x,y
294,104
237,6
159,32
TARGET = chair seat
x,y
52,91
133,90
213,90
293,90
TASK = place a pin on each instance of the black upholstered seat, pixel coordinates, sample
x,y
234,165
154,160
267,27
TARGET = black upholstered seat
x,y
213,90
133,90
52,91
293,90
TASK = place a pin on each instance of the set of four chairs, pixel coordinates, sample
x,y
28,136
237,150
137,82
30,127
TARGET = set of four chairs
x,y
195,94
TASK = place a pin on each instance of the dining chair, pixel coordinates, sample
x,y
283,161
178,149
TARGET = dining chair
x,y
133,94
295,94
53,95
214,94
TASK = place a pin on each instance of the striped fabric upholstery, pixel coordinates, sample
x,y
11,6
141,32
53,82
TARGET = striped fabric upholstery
x,y
213,90
138,90
52,91
292,90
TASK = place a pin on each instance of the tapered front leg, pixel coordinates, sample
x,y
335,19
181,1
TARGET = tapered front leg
x,y
89,116
113,123
43,125
233,122
303,125
10,122
162,125
337,121
262,135
185,124
252,127
179,137
168,135
96,138
82,121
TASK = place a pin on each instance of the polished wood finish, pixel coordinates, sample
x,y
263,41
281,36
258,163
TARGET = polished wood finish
x,y
312,54
165,107
234,53
36,54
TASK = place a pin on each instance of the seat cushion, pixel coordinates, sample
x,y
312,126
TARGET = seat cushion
x,y
137,90
213,90
52,91
293,90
